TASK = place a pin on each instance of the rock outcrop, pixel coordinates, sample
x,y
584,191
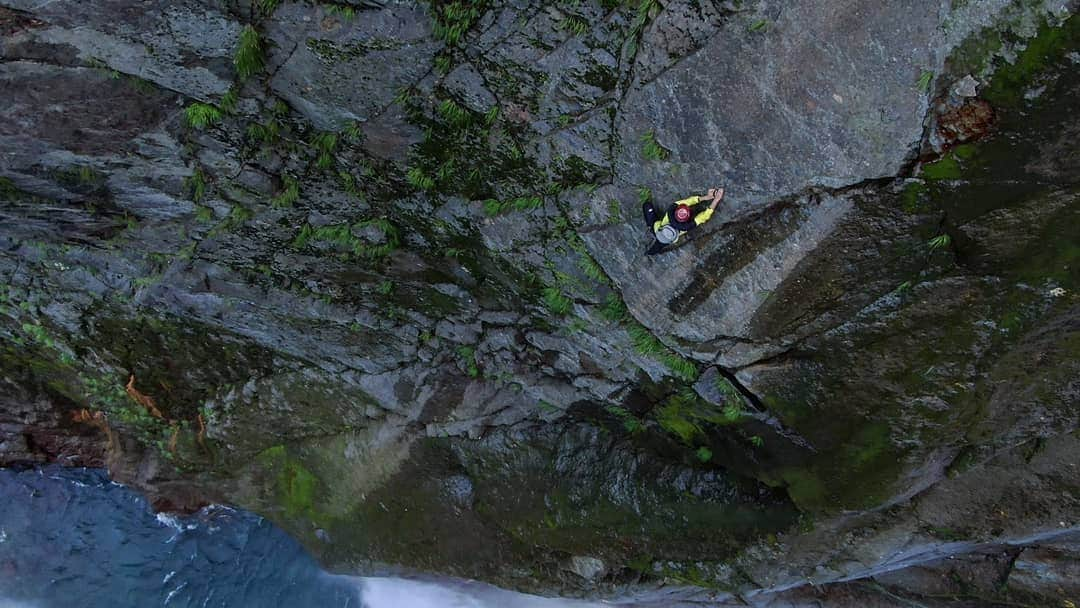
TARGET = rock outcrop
x,y
376,271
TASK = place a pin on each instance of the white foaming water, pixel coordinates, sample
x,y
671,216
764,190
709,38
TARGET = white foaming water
x,y
405,593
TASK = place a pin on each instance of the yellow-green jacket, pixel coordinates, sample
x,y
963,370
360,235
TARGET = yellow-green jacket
x,y
699,219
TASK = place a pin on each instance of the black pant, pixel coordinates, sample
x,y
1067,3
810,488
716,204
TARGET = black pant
x,y
649,211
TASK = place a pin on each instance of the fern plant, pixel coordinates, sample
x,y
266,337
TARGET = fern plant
x,y
249,59
940,241
575,24
419,180
201,115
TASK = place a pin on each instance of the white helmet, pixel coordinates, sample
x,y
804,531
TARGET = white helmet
x,y
667,235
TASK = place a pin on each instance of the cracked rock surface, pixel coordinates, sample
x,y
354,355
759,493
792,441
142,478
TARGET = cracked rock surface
x,y
389,288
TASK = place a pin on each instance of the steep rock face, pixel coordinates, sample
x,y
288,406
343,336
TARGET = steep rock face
x,y
376,272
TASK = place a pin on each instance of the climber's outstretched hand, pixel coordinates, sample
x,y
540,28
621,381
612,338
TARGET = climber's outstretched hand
x,y
717,195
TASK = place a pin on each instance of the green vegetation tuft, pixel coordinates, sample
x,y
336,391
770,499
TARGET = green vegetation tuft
x,y
229,100
201,115
631,423
733,412
591,268
196,185
651,149
324,144
443,63
237,216
645,11
268,6
1052,43
945,168
342,237
354,131
452,19
467,356
494,207
556,302
758,26
645,343
454,114
681,366
419,180
249,59
940,241
926,77
344,11
288,195
613,309
614,209
704,454
526,203
575,24
644,195
676,416
264,134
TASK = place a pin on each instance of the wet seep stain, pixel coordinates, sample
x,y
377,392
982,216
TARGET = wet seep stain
x,y
744,242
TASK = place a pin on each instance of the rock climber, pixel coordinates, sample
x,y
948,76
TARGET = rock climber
x,y
680,218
